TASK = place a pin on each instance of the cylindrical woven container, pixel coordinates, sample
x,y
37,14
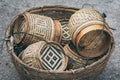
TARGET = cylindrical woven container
x,y
31,55
45,56
62,34
89,30
90,72
34,24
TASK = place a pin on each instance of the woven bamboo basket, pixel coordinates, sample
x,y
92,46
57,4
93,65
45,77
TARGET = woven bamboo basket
x,y
47,56
90,72
88,28
62,33
34,24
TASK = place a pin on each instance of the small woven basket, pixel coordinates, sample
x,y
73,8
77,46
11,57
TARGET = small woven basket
x,y
47,56
33,24
89,30
62,13
83,16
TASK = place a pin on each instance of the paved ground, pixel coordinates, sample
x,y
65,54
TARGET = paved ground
x,y
11,8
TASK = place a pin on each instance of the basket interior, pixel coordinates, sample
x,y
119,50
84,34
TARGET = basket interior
x,y
62,14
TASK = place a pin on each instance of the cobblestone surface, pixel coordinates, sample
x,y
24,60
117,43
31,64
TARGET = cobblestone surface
x,y
11,8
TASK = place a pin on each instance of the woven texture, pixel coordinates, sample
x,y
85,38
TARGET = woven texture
x,y
62,34
90,72
65,34
93,39
31,55
75,61
53,58
86,25
37,25
83,16
41,55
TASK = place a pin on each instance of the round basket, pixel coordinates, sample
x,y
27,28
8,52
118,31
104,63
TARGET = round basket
x,y
90,72
34,24
47,56
88,30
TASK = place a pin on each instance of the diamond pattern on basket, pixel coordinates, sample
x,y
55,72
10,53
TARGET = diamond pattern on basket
x,y
51,58
65,32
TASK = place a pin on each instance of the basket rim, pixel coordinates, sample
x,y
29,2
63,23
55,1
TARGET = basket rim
x,y
8,34
93,28
62,7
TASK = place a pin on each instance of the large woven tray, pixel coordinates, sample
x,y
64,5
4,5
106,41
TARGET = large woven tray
x,y
90,72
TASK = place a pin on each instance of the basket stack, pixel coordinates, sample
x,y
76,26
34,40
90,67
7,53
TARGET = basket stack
x,y
59,43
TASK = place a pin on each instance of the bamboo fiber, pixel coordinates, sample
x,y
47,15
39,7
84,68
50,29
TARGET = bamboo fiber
x,y
75,61
83,16
33,24
31,55
43,56
90,72
86,25
62,34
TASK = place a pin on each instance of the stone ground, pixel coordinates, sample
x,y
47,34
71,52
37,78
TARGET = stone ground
x,y
10,8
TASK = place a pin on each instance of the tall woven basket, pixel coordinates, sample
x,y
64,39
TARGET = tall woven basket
x,y
62,13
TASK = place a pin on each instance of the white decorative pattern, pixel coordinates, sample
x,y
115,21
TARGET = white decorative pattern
x,y
65,32
66,37
51,58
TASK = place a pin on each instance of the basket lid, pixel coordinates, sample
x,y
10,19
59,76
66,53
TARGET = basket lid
x,y
53,58
93,41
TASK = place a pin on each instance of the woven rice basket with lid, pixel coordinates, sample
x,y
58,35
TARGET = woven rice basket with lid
x,y
33,24
88,28
47,56
90,72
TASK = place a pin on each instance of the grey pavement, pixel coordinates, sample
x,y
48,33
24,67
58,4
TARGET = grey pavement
x,y
10,8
